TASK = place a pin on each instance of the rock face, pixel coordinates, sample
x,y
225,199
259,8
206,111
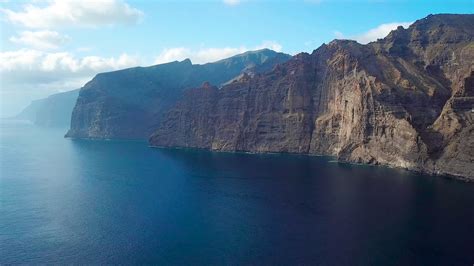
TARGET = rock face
x,y
54,111
403,101
130,103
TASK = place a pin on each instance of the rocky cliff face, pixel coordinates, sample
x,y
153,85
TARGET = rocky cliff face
x,y
404,101
54,111
130,103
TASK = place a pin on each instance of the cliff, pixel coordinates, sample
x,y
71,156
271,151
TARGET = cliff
x,y
130,103
53,111
403,101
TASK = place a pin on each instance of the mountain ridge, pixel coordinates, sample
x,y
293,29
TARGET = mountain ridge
x,y
129,103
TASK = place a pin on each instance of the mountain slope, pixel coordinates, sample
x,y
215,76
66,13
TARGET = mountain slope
x,y
403,101
53,111
130,103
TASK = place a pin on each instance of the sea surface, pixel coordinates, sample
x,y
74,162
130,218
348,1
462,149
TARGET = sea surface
x,y
69,201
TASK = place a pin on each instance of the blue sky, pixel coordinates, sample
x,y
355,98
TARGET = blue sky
x,y
52,46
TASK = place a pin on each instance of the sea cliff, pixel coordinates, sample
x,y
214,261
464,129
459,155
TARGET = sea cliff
x,y
402,101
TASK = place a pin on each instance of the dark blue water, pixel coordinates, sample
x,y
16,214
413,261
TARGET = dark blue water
x,y
72,201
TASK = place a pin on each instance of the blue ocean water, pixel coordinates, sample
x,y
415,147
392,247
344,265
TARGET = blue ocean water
x,y
89,202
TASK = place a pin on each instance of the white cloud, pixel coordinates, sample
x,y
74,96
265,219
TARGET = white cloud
x,y
215,54
270,45
338,34
206,55
29,74
84,49
232,2
62,13
379,32
12,59
27,66
173,54
40,39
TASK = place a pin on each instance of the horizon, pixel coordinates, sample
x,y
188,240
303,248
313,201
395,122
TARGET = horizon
x,y
44,52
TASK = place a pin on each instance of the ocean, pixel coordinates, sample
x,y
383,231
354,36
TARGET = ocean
x,y
69,201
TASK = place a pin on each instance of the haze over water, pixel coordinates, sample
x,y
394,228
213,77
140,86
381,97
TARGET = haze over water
x,y
78,201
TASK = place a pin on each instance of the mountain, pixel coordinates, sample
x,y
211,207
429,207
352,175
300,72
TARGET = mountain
x,y
53,111
404,101
130,103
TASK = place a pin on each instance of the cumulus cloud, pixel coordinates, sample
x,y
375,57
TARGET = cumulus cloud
x,y
338,34
378,32
173,54
206,55
29,74
61,13
269,45
40,39
28,66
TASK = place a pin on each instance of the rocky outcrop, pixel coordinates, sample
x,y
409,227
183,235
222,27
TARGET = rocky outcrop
x,y
130,103
53,111
403,101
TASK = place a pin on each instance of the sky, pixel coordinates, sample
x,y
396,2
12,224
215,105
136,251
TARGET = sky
x,y
51,46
